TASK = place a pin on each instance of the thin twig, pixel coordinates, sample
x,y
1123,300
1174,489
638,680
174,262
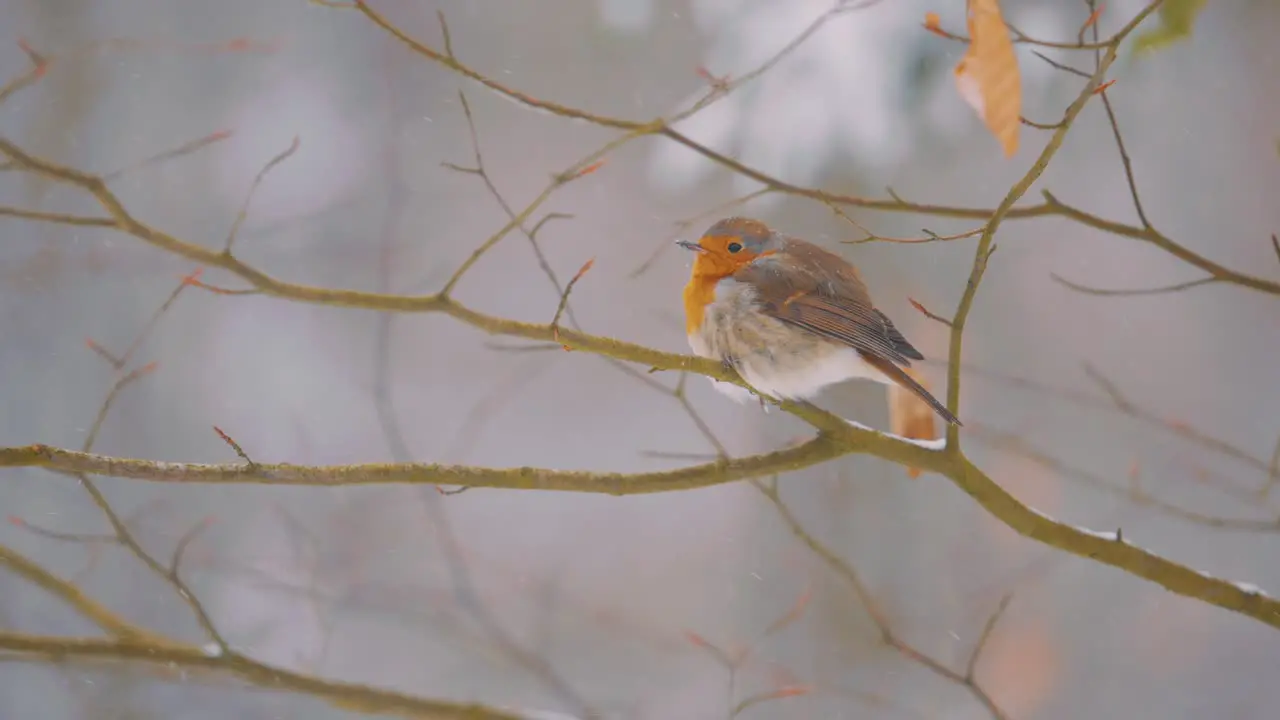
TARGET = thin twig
x,y
986,243
463,584
888,636
972,666
1126,292
184,149
253,188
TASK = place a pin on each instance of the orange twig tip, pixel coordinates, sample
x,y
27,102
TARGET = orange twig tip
x,y
933,24
791,691
590,168
1103,87
717,82
1093,18
586,266
695,639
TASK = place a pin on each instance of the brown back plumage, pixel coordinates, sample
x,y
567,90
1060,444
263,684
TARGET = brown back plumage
x,y
816,290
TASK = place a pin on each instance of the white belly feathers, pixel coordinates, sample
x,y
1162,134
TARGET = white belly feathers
x,y
779,360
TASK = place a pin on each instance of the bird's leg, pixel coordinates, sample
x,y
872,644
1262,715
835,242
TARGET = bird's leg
x,y
730,362
766,400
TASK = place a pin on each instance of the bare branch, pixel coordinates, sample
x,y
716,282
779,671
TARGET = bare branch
x,y
987,629
1059,66
234,446
184,149
564,298
1129,292
682,226
76,598
71,461
1133,491
888,636
39,66
169,656
925,311
1109,388
253,188
724,87
1273,473
986,243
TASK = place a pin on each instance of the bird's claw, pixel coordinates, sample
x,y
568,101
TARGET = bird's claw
x,y
765,400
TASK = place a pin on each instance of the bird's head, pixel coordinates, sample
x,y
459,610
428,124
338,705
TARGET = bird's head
x,y
730,244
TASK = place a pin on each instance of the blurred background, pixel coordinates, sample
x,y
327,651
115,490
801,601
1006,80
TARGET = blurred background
x,y
562,602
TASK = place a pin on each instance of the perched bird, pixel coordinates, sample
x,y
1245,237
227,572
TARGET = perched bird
x,y
789,317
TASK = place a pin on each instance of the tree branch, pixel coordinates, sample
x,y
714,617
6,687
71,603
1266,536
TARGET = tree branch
x,y
986,243
73,596
347,696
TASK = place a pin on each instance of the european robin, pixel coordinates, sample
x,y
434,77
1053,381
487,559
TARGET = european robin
x,y
789,317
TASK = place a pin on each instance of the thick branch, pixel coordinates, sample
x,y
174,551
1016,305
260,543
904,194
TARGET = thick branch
x,y
521,478
1180,579
994,499
348,696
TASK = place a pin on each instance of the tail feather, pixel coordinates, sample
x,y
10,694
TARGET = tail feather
x,y
900,377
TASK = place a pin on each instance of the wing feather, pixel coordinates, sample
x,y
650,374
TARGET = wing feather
x,y
822,293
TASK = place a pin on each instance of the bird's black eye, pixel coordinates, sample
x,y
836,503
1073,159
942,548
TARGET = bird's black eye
x,y
735,247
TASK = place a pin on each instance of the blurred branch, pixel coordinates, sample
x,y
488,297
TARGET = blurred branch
x,y
170,572
188,659
184,149
682,226
132,643
66,591
1132,491
439,520
733,661
39,66
1129,292
846,571
253,188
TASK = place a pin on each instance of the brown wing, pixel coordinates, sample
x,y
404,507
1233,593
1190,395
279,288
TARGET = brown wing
x,y
823,294
902,378
900,342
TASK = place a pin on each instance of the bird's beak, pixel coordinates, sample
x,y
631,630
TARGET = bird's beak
x,y
689,245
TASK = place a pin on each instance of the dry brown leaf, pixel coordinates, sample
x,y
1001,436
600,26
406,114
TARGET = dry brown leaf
x,y
987,76
909,416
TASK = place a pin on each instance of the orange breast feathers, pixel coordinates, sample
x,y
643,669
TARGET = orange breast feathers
x,y
698,294
717,257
